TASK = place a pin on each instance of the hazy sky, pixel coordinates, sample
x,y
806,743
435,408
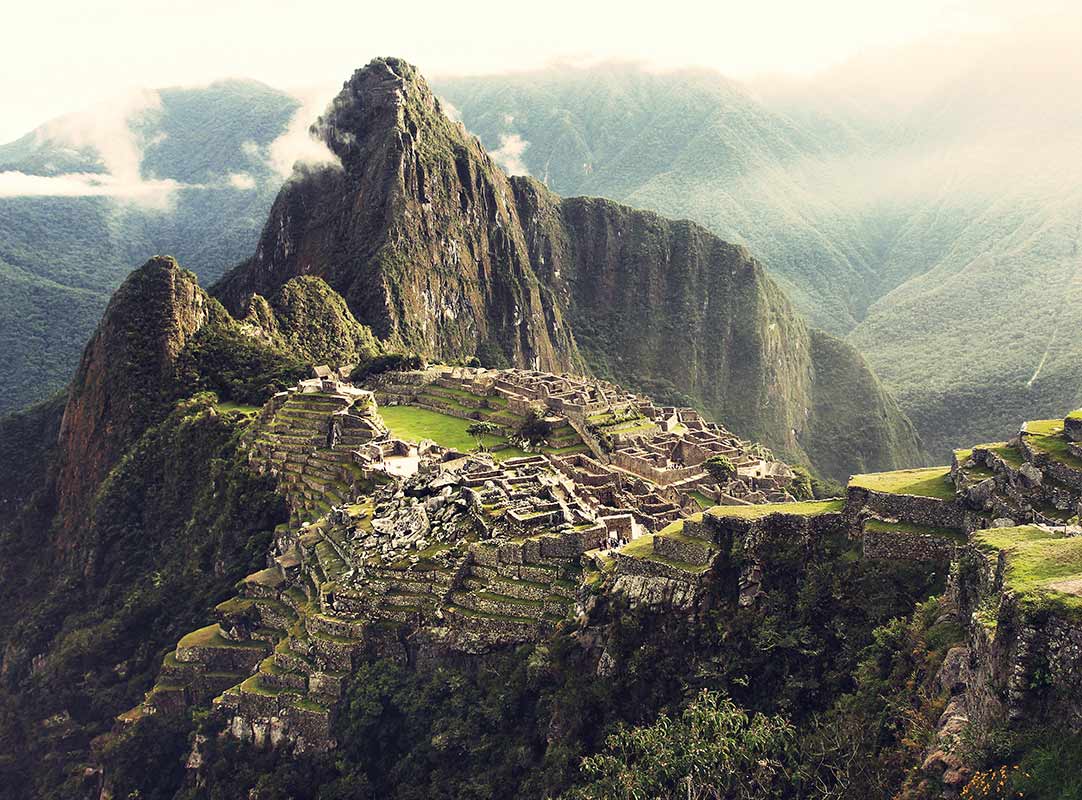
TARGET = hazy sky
x,y
64,56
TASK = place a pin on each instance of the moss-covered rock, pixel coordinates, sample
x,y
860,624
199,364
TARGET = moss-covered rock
x,y
308,318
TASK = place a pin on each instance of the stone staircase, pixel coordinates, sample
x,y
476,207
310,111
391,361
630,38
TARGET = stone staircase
x,y
314,465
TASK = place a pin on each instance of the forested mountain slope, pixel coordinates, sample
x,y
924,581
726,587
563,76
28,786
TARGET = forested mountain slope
x,y
934,225
82,198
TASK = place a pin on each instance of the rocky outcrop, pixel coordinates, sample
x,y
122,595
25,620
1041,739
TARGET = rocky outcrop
x,y
125,376
417,230
308,318
441,253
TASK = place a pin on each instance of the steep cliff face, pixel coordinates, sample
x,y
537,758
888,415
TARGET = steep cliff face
x,y
668,306
418,231
440,252
123,376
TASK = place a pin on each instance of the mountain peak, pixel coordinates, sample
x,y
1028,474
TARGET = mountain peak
x,y
119,386
388,94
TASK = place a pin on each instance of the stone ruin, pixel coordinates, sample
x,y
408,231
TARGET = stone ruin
x,y
407,550
401,549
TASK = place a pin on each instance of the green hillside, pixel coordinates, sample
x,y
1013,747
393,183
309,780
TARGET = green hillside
x,y
61,257
929,231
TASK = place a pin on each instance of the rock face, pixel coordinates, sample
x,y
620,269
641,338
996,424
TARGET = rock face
x,y
125,367
439,252
418,231
657,303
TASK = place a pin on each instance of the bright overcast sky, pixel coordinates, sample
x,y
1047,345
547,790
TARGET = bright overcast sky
x,y
65,56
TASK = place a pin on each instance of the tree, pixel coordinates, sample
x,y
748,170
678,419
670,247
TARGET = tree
x,y
534,429
720,468
801,485
713,751
479,430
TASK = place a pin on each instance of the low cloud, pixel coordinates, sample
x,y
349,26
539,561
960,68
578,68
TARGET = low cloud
x,y
241,180
106,135
155,194
450,110
509,154
298,146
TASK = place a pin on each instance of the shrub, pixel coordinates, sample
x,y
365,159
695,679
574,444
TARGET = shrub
x,y
801,485
720,468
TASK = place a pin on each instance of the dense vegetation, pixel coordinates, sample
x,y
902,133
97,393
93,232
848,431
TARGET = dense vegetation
x,y
176,523
822,659
179,518
312,320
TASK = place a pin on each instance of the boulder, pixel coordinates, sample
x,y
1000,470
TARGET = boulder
x,y
1029,475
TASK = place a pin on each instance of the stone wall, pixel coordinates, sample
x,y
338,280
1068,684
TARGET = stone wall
x,y
1072,428
906,546
758,538
642,467
628,565
687,550
1026,660
930,511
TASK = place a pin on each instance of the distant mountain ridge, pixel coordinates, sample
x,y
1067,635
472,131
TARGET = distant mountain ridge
x,y
936,231
199,158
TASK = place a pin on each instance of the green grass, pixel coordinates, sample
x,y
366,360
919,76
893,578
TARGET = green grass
x,y
643,548
254,686
266,577
993,540
1005,452
806,508
211,636
243,409
703,501
235,605
686,538
961,456
1076,414
678,525
630,426
1044,427
567,450
1055,447
927,482
1042,566
413,424
311,705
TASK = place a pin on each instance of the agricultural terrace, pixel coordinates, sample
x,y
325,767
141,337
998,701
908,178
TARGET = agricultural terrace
x,y
1042,566
927,482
